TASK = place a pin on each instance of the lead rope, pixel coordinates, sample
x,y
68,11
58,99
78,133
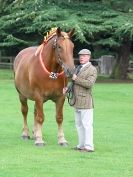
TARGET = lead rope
x,y
70,92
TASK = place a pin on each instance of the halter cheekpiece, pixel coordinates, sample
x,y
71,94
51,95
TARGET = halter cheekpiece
x,y
49,36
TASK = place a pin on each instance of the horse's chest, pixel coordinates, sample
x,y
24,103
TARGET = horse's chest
x,y
51,94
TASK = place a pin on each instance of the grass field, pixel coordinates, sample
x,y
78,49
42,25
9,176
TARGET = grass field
x,y
113,137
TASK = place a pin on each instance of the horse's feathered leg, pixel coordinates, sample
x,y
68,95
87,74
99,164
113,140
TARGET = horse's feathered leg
x,y
59,119
24,109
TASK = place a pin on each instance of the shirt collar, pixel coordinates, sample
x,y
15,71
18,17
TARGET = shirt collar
x,y
85,64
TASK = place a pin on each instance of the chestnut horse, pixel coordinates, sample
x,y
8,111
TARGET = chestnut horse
x,y
40,75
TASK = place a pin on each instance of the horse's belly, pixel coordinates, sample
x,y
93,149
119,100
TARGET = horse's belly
x,y
52,95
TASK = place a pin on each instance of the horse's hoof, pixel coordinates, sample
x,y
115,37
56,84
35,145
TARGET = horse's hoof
x,y
25,137
33,138
39,144
64,144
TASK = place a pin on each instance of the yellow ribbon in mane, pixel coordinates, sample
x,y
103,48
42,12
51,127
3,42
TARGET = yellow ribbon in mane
x,y
49,35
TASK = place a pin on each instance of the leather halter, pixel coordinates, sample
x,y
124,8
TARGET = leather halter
x,y
43,65
52,74
59,60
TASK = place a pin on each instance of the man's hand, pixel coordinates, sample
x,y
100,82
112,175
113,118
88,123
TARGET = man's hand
x,y
65,90
74,77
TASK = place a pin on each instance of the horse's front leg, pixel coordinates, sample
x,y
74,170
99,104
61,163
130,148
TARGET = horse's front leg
x,y
38,122
59,119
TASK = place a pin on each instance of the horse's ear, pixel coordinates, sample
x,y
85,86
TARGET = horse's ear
x,y
71,32
58,31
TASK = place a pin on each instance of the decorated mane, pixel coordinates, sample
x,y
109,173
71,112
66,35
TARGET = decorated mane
x,y
52,33
48,36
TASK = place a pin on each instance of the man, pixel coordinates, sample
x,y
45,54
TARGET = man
x,y
83,103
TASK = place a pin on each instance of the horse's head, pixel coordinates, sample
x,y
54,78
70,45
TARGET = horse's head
x,y
64,51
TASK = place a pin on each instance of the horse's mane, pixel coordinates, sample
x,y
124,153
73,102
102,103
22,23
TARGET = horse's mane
x,y
48,36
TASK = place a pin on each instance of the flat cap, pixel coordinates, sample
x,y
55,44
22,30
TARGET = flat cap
x,y
84,52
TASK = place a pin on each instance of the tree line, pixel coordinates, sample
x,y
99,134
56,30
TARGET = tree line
x,y
104,26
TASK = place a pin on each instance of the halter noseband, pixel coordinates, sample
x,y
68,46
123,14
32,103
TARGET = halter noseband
x,y
55,46
53,75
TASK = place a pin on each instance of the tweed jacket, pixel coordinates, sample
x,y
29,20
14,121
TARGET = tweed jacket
x,y
83,87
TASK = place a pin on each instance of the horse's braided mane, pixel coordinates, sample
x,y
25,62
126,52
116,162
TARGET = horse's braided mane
x,y
49,35
52,33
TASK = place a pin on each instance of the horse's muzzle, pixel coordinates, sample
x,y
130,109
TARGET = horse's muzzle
x,y
69,72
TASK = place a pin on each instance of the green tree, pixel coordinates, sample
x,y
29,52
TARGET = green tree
x,y
99,24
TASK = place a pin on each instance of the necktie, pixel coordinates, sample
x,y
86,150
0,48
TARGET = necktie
x,y
78,69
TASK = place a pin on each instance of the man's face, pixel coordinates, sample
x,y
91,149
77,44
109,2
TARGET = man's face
x,y
84,59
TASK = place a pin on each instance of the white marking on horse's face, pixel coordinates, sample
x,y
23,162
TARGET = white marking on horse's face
x,y
66,51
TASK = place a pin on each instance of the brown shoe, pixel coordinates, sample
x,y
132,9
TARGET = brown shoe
x,y
86,150
77,149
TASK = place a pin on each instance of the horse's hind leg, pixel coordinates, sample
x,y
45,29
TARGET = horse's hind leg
x,y
35,123
59,119
24,110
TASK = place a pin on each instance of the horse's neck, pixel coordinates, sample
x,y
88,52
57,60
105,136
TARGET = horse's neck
x,y
49,59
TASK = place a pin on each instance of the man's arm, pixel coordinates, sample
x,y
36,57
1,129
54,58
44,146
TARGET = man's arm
x,y
88,82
